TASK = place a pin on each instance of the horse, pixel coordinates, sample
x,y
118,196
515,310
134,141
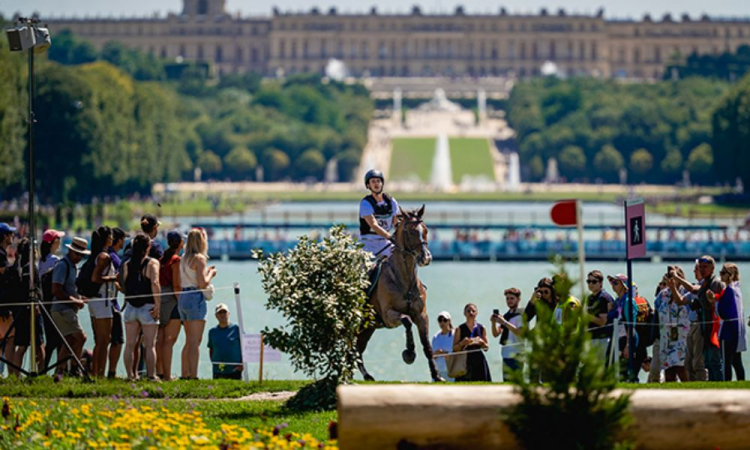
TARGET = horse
x,y
399,297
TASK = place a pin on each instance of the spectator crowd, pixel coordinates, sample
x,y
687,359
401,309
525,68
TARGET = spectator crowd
x,y
693,330
164,291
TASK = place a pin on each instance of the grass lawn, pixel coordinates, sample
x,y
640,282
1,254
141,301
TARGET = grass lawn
x,y
470,156
45,387
411,159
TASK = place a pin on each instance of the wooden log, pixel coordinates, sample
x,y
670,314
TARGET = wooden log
x,y
455,417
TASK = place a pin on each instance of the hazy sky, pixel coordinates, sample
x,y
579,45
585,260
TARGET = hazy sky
x,y
613,9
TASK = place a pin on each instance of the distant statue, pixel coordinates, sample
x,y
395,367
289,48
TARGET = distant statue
x,y
440,102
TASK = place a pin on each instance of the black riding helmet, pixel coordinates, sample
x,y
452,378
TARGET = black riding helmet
x,y
373,173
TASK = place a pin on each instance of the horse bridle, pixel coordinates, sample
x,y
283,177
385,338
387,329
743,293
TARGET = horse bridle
x,y
422,243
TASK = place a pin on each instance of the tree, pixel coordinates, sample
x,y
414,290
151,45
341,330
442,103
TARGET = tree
x,y
210,163
731,134
311,163
700,162
70,50
240,162
641,162
348,161
13,101
572,161
672,163
536,167
319,288
608,162
275,162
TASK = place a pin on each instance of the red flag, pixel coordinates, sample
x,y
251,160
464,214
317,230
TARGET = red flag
x,y
563,213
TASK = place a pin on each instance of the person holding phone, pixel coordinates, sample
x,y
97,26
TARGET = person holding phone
x,y
195,278
509,330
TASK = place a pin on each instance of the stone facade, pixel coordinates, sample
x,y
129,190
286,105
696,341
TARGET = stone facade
x,y
418,44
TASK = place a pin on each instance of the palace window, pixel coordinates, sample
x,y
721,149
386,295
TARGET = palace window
x,y
219,53
594,52
294,49
582,51
202,7
552,51
200,52
238,54
282,49
657,54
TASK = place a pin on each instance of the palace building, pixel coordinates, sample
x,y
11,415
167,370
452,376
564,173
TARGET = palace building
x,y
418,44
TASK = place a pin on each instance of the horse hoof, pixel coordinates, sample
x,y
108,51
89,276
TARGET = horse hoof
x,y
369,377
438,379
408,356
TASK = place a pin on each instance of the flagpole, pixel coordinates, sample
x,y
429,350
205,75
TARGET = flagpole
x,y
581,250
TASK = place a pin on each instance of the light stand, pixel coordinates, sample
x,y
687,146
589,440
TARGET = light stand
x,y
29,36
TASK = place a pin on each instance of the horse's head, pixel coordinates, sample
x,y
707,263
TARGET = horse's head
x,y
411,234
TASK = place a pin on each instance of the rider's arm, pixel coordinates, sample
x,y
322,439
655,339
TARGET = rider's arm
x,y
377,229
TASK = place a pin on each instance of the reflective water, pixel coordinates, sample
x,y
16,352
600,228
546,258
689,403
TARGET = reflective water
x,y
450,286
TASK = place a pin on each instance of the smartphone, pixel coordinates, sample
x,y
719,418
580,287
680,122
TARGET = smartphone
x,y
496,312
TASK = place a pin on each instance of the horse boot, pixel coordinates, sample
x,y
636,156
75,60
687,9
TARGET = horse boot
x,y
408,355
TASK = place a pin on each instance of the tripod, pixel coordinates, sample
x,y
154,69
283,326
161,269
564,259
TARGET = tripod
x,y
27,36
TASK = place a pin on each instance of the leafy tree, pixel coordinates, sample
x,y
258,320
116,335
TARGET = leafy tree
x,y
69,50
731,134
210,163
311,163
641,162
240,162
275,162
249,81
700,162
318,287
348,161
608,162
672,163
13,100
536,166
572,161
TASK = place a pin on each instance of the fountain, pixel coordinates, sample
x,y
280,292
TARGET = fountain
x,y
442,176
482,104
440,102
514,173
397,105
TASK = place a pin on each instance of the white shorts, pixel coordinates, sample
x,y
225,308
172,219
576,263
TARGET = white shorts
x,y
100,308
380,248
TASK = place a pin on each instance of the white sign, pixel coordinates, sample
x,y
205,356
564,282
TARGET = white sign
x,y
251,350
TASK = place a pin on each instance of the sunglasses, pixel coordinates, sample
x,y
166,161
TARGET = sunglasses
x,y
615,282
545,291
723,272
442,319
705,261
593,281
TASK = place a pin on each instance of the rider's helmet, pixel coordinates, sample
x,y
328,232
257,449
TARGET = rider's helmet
x,y
373,173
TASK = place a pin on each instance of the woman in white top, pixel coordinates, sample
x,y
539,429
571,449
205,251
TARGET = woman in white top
x,y
195,276
442,343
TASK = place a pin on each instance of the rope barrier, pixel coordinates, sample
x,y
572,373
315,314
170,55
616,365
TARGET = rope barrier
x,y
126,297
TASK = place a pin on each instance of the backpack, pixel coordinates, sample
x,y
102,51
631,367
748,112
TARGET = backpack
x,y
85,286
644,320
46,281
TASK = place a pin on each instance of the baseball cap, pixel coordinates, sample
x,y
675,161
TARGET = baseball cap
x,y
221,307
6,229
174,237
49,236
445,315
149,222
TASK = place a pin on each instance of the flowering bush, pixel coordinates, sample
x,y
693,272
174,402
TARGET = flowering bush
x,y
26,424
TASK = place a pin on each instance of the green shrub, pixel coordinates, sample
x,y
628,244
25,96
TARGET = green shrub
x,y
319,289
576,407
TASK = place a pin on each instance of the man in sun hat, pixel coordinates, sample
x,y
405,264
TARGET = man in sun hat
x,y
626,310
224,346
66,301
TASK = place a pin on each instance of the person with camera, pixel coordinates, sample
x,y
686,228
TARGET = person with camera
x,y
66,301
674,326
471,337
598,304
509,330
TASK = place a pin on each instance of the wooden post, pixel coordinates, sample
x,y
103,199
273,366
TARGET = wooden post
x,y
260,369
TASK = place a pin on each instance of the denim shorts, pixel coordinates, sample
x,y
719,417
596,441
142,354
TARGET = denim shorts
x,y
140,314
192,305
100,308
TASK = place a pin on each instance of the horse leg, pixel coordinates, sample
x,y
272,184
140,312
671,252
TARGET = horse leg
x,y
408,355
422,323
362,340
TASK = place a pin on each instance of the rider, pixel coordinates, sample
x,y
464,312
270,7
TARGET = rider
x,y
377,215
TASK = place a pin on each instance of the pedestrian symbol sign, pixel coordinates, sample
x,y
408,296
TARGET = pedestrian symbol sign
x,y
635,224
